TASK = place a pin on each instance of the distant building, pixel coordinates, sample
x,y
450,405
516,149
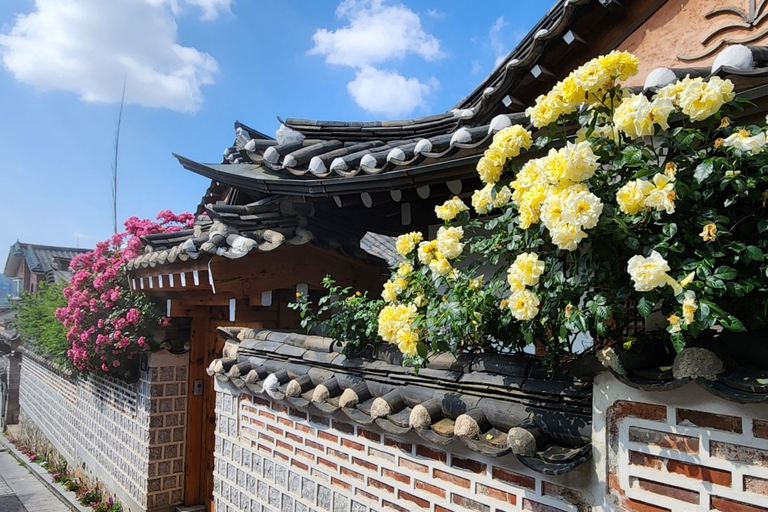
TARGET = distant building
x,y
28,265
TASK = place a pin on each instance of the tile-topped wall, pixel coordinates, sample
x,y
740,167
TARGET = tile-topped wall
x,y
130,437
273,458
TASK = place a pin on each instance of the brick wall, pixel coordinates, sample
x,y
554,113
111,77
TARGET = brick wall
x,y
130,437
684,450
272,458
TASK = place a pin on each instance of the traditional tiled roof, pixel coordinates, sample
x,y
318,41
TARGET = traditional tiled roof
x,y
43,258
233,231
324,158
496,405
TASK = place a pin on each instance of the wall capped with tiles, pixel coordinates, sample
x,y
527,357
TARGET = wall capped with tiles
x,y
270,457
683,450
129,437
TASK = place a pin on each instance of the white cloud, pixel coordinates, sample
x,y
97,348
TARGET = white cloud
x,y
212,8
388,92
88,47
496,38
376,33
434,13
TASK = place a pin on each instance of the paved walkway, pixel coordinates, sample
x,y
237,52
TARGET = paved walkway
x,y
21,491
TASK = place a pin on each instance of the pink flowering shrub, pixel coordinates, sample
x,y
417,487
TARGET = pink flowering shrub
x,y
107,324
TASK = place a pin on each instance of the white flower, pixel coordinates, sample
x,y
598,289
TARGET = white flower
x,y
743,140
648,273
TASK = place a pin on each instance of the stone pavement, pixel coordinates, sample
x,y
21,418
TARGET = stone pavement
x,y
21,491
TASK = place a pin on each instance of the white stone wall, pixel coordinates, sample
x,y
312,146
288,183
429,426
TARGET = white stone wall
x,y
128,436
684,450
270,458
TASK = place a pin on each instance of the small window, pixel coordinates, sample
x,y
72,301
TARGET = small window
x,y
16,288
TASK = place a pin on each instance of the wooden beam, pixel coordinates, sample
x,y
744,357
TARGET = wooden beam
x,y
196,414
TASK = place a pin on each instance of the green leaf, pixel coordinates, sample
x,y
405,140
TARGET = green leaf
x,y
762,225
645,307
678,341
703,170
733,324
581,322
725,273
422,349
754,253
715,283
670,229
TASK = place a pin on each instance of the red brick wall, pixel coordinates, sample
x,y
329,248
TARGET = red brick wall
x,y
284,459
686,450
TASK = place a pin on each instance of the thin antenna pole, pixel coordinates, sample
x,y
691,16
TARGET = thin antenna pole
x,y
114,162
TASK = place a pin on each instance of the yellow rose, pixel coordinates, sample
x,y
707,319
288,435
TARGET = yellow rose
x,y
662,196
489,170
404,268
426,252
620,65
450,209
511,140
482,200
440,265
389,294
524,305
407,341
447,242
745,142
582,208
689,308
476,283
526,269
631,197
674,323
648,273
407,242
503,195
700,100
567,236
709,233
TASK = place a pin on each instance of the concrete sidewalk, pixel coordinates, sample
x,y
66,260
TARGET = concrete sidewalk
x,y
27,487
21,491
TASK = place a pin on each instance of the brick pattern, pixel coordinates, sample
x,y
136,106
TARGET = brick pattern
x,y
135,433
271,458
667,458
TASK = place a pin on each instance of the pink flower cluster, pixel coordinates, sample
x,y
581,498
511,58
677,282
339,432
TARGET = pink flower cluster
x,y
107,324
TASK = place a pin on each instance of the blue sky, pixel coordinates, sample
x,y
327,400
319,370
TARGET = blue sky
x,y
193,67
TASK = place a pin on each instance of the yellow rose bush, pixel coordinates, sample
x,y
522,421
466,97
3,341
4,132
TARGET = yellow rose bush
x,y
608,207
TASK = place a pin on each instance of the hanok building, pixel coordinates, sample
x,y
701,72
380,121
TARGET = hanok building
x,y
29,265
288,423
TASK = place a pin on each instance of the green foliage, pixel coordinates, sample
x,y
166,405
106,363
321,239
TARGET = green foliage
x,y
37,323
342,315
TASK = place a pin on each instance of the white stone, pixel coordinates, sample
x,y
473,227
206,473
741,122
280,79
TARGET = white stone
x,y
316,166
396,155
424,145
498,123
736,56
659,77
368,161
338,164
461,136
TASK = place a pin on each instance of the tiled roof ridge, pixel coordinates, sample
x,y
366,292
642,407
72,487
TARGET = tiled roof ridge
x,y
311,163
495,405
526,53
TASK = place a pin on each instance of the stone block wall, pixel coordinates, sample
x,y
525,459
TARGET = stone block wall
x,y
129,437
272,458
683,450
